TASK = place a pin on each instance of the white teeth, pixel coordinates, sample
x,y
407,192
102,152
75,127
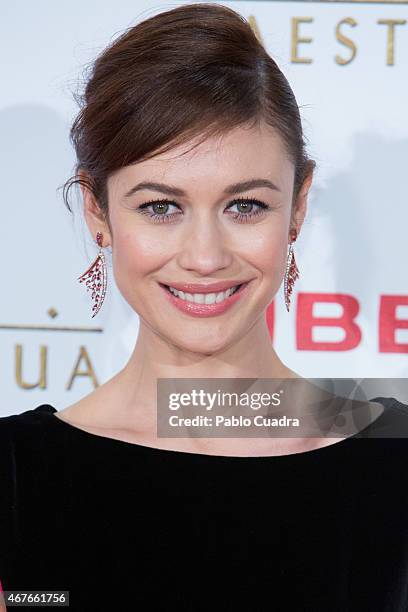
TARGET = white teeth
x,y
198,298
204,298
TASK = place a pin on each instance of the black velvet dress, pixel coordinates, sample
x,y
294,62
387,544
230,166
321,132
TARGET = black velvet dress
x,y
123,526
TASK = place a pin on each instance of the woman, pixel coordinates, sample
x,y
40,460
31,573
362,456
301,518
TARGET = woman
x,y
193,170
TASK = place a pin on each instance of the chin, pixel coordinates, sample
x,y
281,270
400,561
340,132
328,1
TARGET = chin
x,y
204,347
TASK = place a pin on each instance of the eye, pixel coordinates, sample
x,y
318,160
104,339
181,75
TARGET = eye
x,y
248,208
160,207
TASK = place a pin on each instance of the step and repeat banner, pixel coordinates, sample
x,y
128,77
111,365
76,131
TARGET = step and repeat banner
x,y
347,63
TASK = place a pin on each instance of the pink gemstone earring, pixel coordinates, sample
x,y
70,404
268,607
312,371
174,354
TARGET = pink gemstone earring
x,y
292,271
96,277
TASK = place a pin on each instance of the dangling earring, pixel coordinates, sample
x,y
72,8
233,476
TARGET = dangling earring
x,y
95,277
292,271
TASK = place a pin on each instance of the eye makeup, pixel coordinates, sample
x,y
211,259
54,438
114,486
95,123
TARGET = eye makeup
x,y
242,217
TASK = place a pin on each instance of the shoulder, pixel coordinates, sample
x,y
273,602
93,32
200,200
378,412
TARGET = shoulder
x,y
21,419
392,404
22,428
26,446
393,422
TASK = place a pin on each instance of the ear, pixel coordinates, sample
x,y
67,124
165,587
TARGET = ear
x,y
93,214
300,205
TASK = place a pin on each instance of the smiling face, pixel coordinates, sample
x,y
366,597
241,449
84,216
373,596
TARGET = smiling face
x,y
202,229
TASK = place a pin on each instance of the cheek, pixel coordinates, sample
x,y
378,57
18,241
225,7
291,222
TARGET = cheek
x,y
127,257
266,250
137,252
135,255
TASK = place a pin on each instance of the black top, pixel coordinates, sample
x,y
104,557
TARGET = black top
x,y
124,526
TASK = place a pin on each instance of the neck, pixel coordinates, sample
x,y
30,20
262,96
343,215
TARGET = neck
x,y
251,356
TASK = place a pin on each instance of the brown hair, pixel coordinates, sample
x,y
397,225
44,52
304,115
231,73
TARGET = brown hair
x,y
198,69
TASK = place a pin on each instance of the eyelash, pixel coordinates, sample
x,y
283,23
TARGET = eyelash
x,y
244,217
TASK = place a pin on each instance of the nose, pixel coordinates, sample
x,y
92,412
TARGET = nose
x,y
205,247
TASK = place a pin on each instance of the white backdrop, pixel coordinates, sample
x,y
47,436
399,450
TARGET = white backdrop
x,y
352,250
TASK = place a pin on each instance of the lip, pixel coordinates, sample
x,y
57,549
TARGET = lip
x,y
205,310
205,287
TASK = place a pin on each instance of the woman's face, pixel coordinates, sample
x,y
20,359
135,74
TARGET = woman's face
x,y
200,233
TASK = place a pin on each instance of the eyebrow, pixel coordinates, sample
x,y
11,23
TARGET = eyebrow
x,y
176,191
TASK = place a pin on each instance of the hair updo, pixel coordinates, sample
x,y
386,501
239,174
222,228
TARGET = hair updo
x,y
198,69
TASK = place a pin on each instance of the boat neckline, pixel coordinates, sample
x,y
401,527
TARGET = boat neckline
x,y
313,453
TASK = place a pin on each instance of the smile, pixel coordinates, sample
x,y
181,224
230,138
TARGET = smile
x,y
204,298
205,304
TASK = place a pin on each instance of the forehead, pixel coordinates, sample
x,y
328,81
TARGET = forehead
x,y
241,153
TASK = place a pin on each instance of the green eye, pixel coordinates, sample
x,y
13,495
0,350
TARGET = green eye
x,y
245,212
162,207
247,204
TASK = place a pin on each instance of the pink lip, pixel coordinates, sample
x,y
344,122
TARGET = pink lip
x,y
205,287
205,310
